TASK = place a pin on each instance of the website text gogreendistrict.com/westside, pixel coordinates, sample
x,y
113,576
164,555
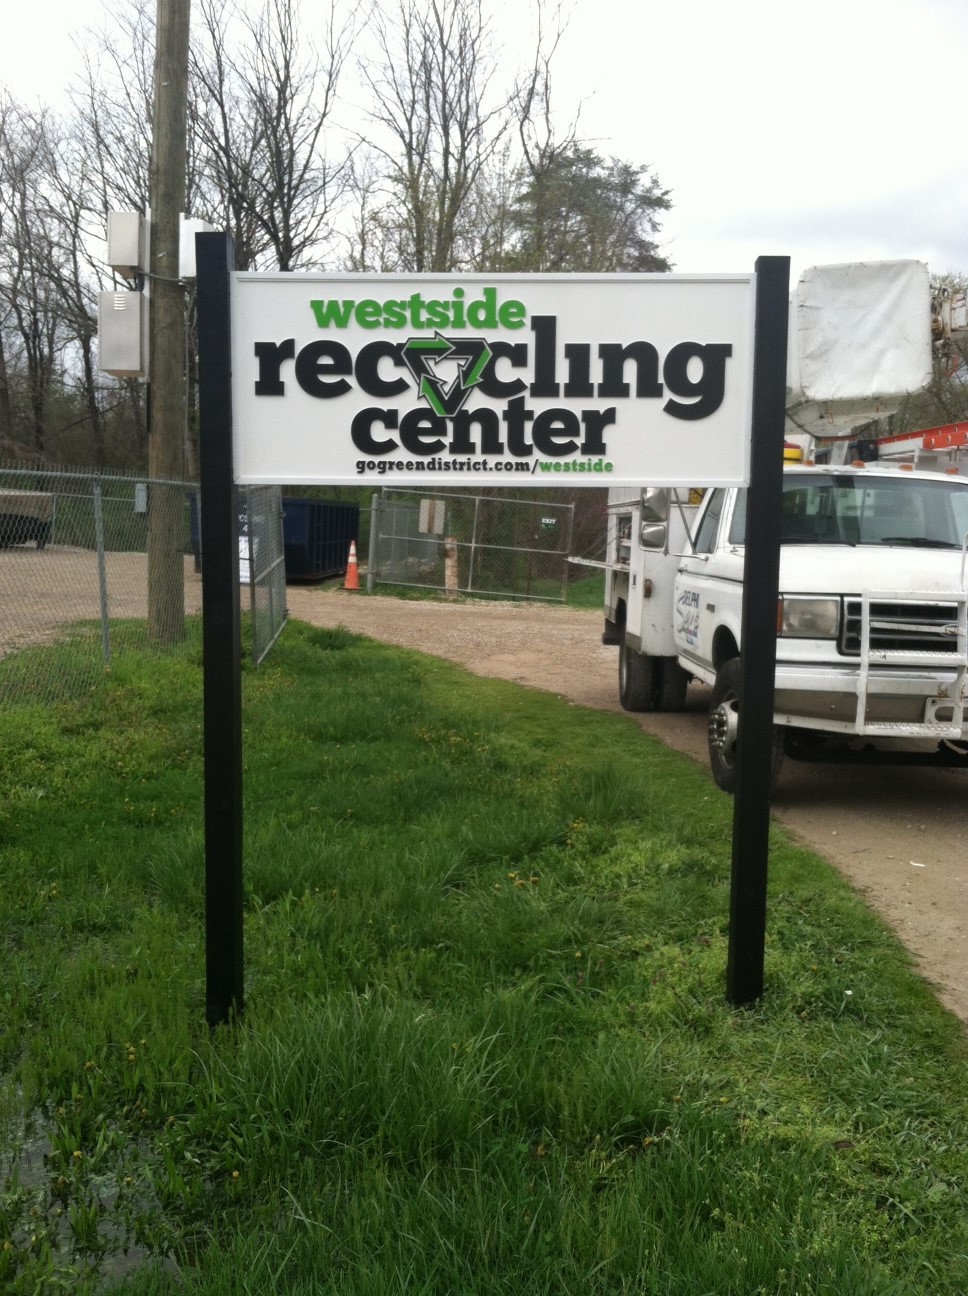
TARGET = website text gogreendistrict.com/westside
x,y
438,465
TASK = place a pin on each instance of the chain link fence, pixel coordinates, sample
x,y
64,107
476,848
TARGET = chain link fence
x,y
262,564
461,543
94,564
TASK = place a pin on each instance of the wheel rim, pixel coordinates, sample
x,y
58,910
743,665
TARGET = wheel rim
x,y
724,729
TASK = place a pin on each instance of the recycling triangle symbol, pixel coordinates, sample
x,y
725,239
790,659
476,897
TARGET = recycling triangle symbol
x,y
445,395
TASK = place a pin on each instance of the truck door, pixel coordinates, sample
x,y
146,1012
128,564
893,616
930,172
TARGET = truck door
x,y
709,583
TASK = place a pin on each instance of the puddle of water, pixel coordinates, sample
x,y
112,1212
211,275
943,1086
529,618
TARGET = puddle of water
x,y
26,1172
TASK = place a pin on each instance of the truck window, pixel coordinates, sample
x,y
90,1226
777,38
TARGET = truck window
x,y
737,526
959,509
623,537
906,511
709,523
851,508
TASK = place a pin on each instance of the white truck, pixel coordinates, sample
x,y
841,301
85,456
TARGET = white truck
x,y
872,641
872,637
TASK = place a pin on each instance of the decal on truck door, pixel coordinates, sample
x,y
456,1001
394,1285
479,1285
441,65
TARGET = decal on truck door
x,y
687,617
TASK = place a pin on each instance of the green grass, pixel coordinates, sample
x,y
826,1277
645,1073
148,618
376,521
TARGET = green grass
x,y
587,591
485,1048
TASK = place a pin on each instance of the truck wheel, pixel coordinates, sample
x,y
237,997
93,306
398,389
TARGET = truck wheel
x,y
670,694
724,730
636,679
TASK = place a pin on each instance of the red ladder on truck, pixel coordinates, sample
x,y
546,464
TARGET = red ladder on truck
x,y
943,447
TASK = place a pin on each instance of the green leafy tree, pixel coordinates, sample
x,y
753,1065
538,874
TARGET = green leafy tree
x,y
580,211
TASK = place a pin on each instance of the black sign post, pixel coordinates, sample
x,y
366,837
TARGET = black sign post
x,y
751,807
221,638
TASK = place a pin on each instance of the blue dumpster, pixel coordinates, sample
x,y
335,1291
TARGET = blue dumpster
x,y
316,537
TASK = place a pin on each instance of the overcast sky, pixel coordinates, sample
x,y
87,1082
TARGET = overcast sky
x,y
826,131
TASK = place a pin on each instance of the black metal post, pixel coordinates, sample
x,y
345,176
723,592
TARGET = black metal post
x,y
221,637
751,808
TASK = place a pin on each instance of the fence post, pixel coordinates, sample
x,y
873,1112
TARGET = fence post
x,y
102,575
374,540
564,570
253,604
470,569
278,527
451,577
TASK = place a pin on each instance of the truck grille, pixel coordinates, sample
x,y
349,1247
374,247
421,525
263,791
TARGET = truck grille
x,y
902,627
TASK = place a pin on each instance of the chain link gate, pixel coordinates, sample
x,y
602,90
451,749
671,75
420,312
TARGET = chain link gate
x,y
461,543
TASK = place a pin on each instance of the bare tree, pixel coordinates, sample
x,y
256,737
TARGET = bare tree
x,y
50,250
227,140
28,256
112,105
537,126
262,107
70,201
437,125
6,405
372,243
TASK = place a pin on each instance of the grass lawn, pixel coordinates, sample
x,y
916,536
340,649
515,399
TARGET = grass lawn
x,y
486,1048
587,591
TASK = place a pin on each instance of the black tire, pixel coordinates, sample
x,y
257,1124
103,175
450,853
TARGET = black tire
x,y
672,682
724,728
636,679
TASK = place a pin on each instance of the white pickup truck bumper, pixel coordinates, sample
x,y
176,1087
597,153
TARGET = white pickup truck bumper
x,y
890,703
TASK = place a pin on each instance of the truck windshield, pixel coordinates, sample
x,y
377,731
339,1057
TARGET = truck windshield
x,y
862,508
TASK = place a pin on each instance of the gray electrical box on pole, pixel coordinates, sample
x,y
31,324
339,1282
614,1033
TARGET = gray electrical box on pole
x,y
127,240
122,318
122,334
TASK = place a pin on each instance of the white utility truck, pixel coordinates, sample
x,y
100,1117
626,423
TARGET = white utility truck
x,y
872,638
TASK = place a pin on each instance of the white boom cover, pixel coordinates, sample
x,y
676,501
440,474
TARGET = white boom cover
x,y
860,340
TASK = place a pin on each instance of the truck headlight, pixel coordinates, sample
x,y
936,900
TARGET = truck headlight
x,y
808,618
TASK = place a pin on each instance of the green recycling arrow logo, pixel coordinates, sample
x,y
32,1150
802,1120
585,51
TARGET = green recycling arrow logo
x,y
422,355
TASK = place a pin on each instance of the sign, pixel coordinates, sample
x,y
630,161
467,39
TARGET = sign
x,y
492,380
650,377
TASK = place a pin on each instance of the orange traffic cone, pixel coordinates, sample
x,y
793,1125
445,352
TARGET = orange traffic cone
x,y
352,581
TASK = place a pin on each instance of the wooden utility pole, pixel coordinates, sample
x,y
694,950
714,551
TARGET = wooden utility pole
x,y
166,374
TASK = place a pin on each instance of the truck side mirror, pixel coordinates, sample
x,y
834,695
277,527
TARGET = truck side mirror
x,y
653,517
652,535
654,504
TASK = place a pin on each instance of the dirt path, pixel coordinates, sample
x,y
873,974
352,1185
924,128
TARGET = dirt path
x,y
900,835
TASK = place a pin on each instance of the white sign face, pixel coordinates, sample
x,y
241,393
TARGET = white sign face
x,y
492,380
